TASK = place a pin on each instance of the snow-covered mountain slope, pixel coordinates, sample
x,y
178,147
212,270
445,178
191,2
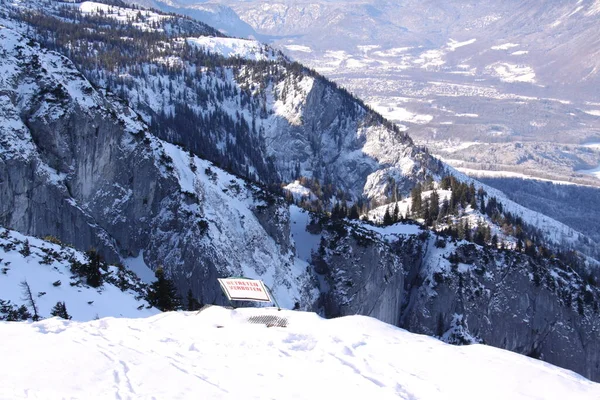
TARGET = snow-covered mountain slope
x,y
78,164
48,269
223,356
476,71
219,354
218,16
145,20
274,124
231,47
456,290
270,122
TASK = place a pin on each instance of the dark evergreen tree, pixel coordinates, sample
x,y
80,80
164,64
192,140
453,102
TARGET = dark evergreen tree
x,y
387,218
494,241
519,246
467,231
336,212
426,211
416,202
162,293
26,250
434,205
487,234
353,213
9,312
479,236
91,271
192,303
60,310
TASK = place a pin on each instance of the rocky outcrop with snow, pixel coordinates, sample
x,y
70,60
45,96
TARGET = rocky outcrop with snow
x,y
242,105
460,292
79,165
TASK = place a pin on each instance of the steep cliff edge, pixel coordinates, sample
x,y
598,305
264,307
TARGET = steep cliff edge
x,y
461,292
77,164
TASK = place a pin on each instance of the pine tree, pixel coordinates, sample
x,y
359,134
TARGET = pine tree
x,y
9,312
395,215
60,310
336,212
353,213
467,230
162,293
487,234
26,250
387,218
479,234
426,210
415,195
91,271
434,205
192,303
494,241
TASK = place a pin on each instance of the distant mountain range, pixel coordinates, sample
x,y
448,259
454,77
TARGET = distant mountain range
x,y
451,71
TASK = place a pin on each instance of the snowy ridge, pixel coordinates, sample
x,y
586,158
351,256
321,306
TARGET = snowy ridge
x,y
231,47
142,19
220,354
556,232
47,271
68,82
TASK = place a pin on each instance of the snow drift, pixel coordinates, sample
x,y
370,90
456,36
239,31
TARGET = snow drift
x,y
218,354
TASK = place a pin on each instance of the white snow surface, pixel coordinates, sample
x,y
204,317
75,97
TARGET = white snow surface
x,y
218,354
142,19
83,302
297,47
594,171
512,72
298,191
140,268
395,113
306,242
505,46
231,47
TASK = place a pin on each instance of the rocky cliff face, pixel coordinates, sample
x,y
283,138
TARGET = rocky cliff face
x,y
336,140
545,309
462,293
258,115
360,272
81,166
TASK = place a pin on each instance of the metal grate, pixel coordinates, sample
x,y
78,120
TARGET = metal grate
x,y
268,320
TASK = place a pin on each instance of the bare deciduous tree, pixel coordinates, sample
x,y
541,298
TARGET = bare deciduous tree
x,y
28,297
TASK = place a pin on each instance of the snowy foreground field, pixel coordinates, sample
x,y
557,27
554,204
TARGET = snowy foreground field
x,y
218,354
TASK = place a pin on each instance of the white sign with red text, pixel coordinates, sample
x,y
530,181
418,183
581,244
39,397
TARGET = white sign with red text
x,y
244,289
